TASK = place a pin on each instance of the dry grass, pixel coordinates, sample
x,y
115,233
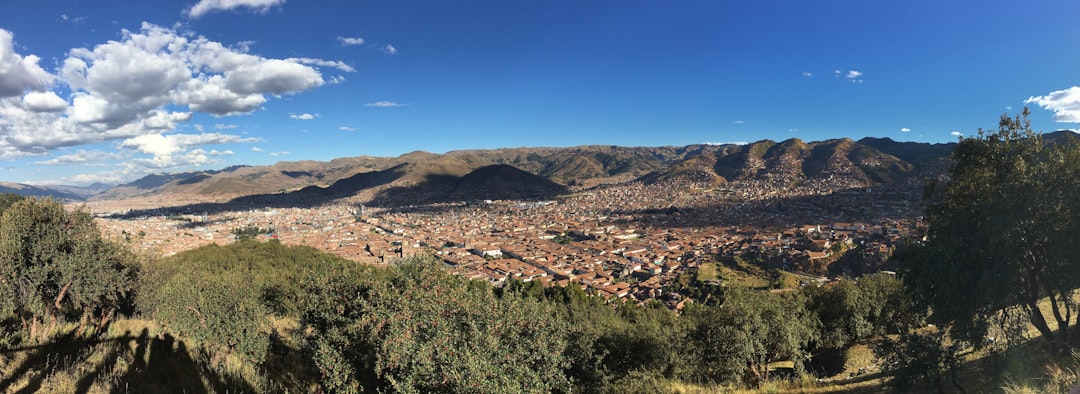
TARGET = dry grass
x,y
136,356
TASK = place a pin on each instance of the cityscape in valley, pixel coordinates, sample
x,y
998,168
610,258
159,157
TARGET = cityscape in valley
x,y
621,222
634,196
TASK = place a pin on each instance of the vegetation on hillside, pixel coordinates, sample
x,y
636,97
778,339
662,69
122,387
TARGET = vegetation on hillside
x,y
994,270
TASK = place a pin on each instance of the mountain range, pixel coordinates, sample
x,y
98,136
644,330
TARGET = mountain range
x,y
530,172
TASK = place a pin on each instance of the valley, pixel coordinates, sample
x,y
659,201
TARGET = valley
x,y
623,222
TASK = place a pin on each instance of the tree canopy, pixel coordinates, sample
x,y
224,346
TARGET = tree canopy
x,y
1001,234
54,264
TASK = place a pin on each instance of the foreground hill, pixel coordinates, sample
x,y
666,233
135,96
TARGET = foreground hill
x,y
517,172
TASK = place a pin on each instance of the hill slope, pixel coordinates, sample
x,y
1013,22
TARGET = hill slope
x,y
423,175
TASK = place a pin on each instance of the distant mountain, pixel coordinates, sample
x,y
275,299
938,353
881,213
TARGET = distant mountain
x,y
239,181
68,193
1061,136
916,153
424,176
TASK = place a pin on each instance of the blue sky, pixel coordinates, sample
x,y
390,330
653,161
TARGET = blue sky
x,y
94,92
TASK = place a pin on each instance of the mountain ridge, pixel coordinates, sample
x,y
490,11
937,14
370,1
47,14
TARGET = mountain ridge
x,y
417,174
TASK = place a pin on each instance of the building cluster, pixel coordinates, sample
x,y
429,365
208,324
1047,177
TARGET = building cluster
x,y
621,241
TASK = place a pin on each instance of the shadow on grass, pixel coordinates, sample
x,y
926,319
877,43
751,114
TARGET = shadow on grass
x,y
120,364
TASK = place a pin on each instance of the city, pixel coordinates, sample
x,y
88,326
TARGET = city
x,y
627,240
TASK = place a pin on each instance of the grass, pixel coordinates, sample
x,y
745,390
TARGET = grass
x,y
706,271
743,274
137,356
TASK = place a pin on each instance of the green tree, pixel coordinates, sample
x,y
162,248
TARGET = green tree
x,y
751,329
1002,233
54,264
420,329
222,297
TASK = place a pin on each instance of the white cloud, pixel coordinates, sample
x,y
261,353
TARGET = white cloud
x,y
204,7
19,73
905,130
739,122
84,157
256,149
807,74
112,177
178,150
390,50
163,145
282,153
72,19
351,40
303,116
185,159
852,75
956,134
323,63
221,126
1065,104
385,104
346,128
44,102
272,76
145,83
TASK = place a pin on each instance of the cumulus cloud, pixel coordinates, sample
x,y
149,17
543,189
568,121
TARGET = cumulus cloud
x,y
852,74
204,7
143,84
346,128
84,157
905,130
384,104
162,145
221,126
256,149
282,153
739,122
19,74
303,116
178,150
1065,104
44,102
956,134
807,74
345,41
390,50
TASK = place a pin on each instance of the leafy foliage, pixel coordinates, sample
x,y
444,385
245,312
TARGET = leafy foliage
x,y
751,329
54,264
1002,233
222,296
423,330
853,311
